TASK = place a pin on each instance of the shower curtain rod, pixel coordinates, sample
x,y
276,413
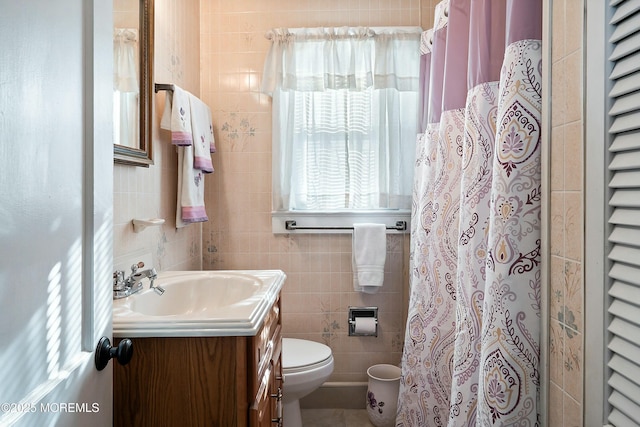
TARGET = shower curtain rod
x,y
291,225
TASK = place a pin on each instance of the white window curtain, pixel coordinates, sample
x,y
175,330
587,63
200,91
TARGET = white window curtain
x,y
344,116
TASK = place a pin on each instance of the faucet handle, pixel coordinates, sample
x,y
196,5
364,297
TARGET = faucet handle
x,y
135,267
118,280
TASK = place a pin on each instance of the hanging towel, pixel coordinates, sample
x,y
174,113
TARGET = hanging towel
x,y
177,116
187,117
190,207
202,131
369,255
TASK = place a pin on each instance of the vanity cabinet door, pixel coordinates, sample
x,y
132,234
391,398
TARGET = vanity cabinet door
x,y
263,407
266,410
183,381
276,394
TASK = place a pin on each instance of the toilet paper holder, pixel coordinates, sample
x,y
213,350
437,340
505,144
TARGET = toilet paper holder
x,y
356,312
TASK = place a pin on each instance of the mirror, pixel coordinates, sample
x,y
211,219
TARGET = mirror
x,y
132,81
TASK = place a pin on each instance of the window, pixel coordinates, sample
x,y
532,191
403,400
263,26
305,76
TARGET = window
x,y
344,118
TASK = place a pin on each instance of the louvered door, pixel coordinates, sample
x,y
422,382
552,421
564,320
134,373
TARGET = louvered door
x,y
624,185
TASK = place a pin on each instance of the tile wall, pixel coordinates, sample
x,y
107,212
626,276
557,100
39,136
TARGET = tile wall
x,y
151,192
566,332
319,287
226,73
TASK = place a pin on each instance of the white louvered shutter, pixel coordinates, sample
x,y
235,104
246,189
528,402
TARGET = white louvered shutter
x,y
624,186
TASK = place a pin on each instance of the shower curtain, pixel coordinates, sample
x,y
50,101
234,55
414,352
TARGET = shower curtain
x,y
471,351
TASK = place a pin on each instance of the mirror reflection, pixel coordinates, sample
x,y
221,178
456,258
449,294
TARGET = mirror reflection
x,y
126,87
132,59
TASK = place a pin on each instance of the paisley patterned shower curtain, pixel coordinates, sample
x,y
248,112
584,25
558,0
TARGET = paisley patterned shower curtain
x,y
471,352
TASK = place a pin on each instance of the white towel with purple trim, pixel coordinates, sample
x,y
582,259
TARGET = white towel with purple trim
x,y
189,120
177,116
202,131
190,206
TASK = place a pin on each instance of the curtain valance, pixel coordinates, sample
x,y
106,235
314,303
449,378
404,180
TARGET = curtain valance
x,y
353,58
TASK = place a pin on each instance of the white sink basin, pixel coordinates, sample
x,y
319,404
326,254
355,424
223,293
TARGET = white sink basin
x,y
193,293
199,303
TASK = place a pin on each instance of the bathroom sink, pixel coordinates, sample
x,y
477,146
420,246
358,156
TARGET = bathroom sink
x,y
199,303
193,293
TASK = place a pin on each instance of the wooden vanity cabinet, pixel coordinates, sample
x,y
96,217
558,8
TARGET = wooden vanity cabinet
x,y
203,381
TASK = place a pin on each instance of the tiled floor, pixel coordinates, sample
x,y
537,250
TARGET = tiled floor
x,y
335,418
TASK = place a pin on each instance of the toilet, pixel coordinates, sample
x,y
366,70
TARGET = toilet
x,y
305,365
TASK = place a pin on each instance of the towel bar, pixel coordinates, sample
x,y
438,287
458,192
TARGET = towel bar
x,y
291,225
163,86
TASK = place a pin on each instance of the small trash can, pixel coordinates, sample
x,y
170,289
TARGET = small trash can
x,y
382,394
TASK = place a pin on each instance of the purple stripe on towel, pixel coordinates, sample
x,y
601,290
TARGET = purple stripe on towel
x,y
194,214
181,138
203,164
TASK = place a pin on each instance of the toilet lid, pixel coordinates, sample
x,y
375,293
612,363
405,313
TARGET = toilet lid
x,y
297,353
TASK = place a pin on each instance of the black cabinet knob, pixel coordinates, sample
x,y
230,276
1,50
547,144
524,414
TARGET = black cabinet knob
x,y
105,352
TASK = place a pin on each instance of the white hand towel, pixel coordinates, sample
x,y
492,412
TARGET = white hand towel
x,y
369,255
202,131
177,116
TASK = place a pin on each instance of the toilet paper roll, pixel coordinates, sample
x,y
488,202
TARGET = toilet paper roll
x,y
365,325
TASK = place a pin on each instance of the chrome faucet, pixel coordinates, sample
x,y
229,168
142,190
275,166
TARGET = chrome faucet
x,y
122,287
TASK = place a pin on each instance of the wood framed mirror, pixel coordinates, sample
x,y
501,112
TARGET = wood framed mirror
x,y
133,81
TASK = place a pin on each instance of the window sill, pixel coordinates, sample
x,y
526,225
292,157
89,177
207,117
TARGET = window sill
x,y
324,221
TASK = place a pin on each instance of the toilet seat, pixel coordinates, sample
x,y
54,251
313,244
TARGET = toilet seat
x,y
302,355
